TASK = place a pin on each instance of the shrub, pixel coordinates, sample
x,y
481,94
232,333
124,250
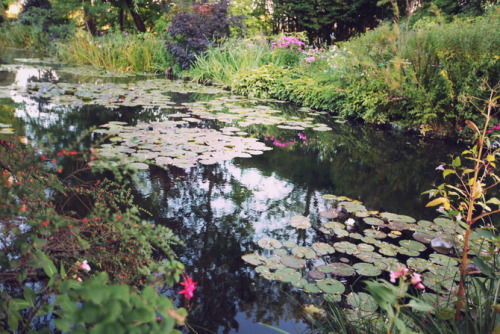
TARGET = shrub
x,y
57,233
190,33
117,51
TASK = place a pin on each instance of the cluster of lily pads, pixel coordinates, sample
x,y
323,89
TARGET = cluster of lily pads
x,y
170,143
359,242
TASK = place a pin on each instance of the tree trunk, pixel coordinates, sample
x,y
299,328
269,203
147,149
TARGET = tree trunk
x,y
121,20
89,19
137,19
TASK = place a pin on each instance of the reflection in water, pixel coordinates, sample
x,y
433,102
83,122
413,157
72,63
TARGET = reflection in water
x,y
221,211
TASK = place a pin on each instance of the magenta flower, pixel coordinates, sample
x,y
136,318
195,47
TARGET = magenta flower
x,y
302,136
310,59
416,280
398,273
189,287
84,266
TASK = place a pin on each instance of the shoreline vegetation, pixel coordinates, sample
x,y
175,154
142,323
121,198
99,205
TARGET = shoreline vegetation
x,y
433,68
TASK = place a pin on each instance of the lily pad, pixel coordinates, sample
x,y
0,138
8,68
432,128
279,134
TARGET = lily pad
x,y
367,269
269,243
423,237
373,221
289,244
376,234
280,252
395,217
441,245
300,222
293,261
331,286
311,287
330,214
413,245
323,248
273,263
345,247
341,269
254,259
300,251
317,274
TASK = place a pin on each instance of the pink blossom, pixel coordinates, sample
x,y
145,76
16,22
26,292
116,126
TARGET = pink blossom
x,y
310,59
396,274
302,136
84,266
416,280
460,128
440,167
189,287
79,279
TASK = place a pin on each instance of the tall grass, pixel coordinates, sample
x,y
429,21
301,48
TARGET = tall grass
x,y
219,65
117,51
15,35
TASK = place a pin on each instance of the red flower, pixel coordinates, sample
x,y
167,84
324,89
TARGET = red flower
x,y
189,287
45,223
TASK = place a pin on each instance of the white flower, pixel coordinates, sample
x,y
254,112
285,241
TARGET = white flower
x,y
84,266
350,222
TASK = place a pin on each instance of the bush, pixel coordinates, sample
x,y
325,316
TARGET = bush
x,y
190,33
117,51
57,233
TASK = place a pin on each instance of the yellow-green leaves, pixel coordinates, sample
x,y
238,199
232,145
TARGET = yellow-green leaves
x,y
440,201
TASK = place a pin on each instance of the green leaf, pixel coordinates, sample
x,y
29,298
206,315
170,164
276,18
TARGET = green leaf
x,y
456,162
418,305
20,304
494,201
447,172
47,264
83,243
63,271
29,295
483,266
486,234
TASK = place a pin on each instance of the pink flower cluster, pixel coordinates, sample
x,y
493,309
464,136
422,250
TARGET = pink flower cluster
x,y
283,143
310,59
416,278
288,43
189,287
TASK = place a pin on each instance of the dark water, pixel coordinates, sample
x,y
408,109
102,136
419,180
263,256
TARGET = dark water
x,y
221,211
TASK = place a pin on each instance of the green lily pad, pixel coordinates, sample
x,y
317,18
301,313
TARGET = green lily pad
x,y
373,221
254,259
333,225
365,247
352,207
443,260
362,301
330,214
317,274
375,234
423,237
300,251
331,286
445,223
265,272
397,225
280,252
300,222
289,244
293,261
395,217
311,287
269,243
345,247
367,269
323,248
413,245
341,233
388,249
407,252
273,263
341,269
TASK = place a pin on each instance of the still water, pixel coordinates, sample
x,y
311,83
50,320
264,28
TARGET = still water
x,y
220,211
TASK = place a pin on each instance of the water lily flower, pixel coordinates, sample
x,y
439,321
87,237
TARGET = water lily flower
x,y
350,222
440,167
189,287
398,273
84,266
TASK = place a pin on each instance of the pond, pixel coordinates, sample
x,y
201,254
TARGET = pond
x,y
223,195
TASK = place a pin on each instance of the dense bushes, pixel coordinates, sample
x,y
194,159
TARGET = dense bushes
x,y
417,78
58,233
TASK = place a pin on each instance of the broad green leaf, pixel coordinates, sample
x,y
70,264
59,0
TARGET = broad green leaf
x,y
483,266
456,162
447,172
494,201
438,201
46,263
20,304
420,305
29,295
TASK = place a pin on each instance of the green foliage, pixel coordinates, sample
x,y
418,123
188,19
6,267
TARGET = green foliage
x,y
219,65
415,78
106,308
58,233
117,51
